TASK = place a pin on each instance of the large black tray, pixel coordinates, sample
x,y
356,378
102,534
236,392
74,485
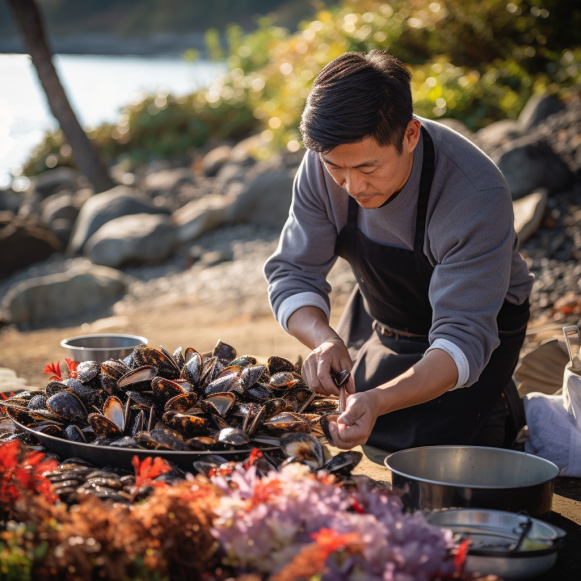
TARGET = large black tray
x,y
121,457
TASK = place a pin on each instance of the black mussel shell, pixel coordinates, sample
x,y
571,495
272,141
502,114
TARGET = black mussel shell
x,y
257,421
166,389
201,443
86,394
233,437
38,402
149,356
189,425
286,422
224,351
341,378
293,404
46,416
114,410
279,364
115,368
87,371
108,383
125,442
243,361
144,400
138,379
222,384
103,426
169,439
145,440
208,371
283,380
217,422
192,370
103,440
220,403
179,358
138,423
324,422
74,434
170,358
321,406
129,361
303,446
274,406
67,405
259,393
252,374
53,387
49,429
182,402
307,402
343,463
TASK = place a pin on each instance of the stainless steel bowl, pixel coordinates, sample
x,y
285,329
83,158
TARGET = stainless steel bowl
x,y
492,534
441,477
101,347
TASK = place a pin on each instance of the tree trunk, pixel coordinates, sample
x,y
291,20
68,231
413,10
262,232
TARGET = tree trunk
x,y
29,20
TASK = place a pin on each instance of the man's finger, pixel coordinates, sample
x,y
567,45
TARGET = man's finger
x,y
351,433
338,441
324,375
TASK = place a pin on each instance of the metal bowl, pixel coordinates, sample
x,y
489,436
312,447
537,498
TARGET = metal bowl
x,y
441,477
101,347
121,457
492,534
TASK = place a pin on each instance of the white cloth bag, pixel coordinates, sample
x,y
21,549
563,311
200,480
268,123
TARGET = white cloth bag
x,y
554,423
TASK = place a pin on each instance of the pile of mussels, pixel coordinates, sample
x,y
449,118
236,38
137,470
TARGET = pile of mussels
x,y
186,401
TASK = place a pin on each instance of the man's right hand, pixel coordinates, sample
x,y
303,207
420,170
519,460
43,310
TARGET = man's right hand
x,y
330,355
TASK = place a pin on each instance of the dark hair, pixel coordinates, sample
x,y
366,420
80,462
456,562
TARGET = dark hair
x,y
355,96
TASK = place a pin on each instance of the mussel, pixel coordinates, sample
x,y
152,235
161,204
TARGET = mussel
x,y
303,447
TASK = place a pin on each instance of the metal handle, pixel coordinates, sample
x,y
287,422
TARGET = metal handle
x,y
573,340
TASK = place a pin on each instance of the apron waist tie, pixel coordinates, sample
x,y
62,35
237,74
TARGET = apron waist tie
x,y
388,331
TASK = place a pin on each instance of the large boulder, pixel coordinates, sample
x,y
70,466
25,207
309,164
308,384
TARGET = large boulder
x,y
215,159
23,242
265,201
528,213
9,201
102,208
167,180
201,216
138,238
48,299
55,180
497,134
59,206
528,164
537,109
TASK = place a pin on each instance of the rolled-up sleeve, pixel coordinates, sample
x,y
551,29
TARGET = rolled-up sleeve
x,y
470,281
297,271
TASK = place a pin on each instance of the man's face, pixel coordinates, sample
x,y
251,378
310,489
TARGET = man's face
x,y
372,173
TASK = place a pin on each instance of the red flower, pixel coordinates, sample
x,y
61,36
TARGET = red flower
x,y
330,540
254,456
149,469
357,507
460,554
55,369
72,365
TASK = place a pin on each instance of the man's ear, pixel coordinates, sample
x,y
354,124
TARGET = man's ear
x,y
411,135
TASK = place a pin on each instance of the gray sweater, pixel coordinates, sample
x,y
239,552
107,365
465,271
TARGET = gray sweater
x,y
471,242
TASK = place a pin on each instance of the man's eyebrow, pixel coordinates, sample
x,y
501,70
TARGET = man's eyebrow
x,y
369,163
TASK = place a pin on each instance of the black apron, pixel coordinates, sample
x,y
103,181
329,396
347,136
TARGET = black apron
x,y
392,290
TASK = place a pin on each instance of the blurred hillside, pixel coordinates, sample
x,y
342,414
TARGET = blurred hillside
x,y
145,26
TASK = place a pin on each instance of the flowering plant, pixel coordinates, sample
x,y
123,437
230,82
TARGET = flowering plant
x,y
54,369
293,524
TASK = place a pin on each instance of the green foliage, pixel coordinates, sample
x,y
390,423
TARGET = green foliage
x,y
474,61
18,553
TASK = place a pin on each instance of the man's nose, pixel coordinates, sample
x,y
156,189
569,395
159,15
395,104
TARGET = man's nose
x,y
355,184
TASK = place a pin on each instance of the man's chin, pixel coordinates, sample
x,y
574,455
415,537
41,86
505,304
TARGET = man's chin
x,y
371,202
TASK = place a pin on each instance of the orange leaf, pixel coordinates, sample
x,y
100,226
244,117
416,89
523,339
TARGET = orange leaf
x,y
55,369
331,541
72,365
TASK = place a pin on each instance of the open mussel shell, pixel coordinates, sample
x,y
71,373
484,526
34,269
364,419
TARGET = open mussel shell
x,y
115,368
341,378
201,442
324,423
138,379
87,371
66,405
48,428
283,380
166,389
252,374
303,447
179,358
278,364
244,361
193,369
224,351
165,363
103,426
114,410
222,384
343,463
220,403
74,433
256,422
287,422
190,425
233,437
322,406
181,402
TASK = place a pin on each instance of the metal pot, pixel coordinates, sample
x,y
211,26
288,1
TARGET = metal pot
x,y
440,477
101,347
512,546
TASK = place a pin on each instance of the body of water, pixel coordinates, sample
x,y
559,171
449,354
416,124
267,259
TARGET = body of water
x,y
97,87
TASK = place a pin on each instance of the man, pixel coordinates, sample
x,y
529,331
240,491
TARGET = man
x,y
434,327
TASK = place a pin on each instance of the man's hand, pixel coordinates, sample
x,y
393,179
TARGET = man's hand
x,y
330,355
354,426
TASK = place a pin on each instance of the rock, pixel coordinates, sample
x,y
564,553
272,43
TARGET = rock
x,y
528,164
59,207
216,257
102,208
23,242
497,134
31,205
231,172
9,201
62,228
528,213
265,201
166,181
47,299
215,159
537,109
457,126
201,216
243,151
138,238
54,180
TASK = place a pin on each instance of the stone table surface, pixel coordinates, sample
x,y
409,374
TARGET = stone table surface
x,y
566,513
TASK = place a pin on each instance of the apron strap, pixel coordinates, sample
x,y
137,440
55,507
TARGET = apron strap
x,y
352,211
427,176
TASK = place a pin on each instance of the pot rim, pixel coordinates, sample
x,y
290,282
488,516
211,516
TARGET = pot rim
x,y
460,485
65,343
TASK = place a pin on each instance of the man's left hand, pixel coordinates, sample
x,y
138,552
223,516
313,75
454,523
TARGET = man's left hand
x,y
354,425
